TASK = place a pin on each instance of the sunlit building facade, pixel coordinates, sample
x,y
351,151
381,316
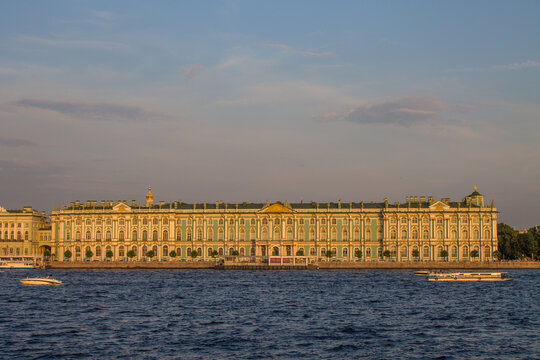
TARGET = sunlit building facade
x,y
419,229
23,233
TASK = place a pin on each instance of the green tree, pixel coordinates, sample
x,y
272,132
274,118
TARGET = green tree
x,y
194,254
386,253
89,254
214,253
235,253
474,254
497,254
300,252
172,254
444,254
109,254
329,254
358,254
508,242
130,254
151,254
416,253
68,254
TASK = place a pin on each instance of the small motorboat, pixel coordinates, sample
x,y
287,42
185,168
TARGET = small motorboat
x,y
48,280
479,276
422,272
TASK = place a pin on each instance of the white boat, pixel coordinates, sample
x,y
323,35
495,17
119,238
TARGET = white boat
x,y
422,272
16,264
41,281
469,276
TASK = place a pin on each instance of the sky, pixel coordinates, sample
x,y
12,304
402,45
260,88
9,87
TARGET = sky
x,y
270,100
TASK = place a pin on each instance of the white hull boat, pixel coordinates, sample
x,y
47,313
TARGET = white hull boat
x,y
41,281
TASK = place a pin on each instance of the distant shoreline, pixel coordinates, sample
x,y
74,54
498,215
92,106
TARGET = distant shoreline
x,y
426,265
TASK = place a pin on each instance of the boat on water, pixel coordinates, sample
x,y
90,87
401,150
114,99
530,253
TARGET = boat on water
x,y
469,276
422,272
8,263
48,280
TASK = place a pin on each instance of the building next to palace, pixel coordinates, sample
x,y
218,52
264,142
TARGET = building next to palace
x,y
24,233
419,229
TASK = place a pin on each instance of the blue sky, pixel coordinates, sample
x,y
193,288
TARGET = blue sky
x,y
250,100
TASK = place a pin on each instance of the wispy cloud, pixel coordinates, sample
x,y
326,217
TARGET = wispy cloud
x,y
192,70
510,67
14,142
91,111
404,111
299,52
70,43
103,15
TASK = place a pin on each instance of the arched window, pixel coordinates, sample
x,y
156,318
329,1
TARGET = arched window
x,y
134,235
301,235
415,234
145,235
323,252
453,235
144,250
334,234
242,235
98,251
165,235
289,233
108,236
356,235
487,252
368,234
77,251
439,235
345,252
454,251
120,251
154,249
312,251
220,251
403,252
88,236
403,234
312,235
188,233
464,235
426,234
121,235
368,252
465,251
210,234
165,250
323,234
345,235
154,235
252,251
178,235
231,234
220,235
288,250
178,252
265,234
426,252
393,234
77,236
68,235
231,251
475,234
242,251
275,251
439,251
277,233
98,235
26,235
252,235
487,234
265,221
210,251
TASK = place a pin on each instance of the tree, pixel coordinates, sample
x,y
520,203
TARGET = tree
x,y
300,252
172,254
444,254
194,254
151,254
214,253
130,254
89,254
497,254
235,253
67,254
386,253
508,242
358,254
416,253
329,254
109,254
474,254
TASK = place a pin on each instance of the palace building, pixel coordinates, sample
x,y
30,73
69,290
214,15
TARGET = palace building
x,y
418,229
23,233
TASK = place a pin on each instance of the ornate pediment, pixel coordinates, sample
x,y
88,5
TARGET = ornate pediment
x,y
439,206
276,208
122,207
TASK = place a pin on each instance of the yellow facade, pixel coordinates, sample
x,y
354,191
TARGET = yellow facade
x,y
420,229
23,233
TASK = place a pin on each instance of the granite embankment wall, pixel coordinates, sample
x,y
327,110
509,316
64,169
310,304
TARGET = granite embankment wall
x,y
496,265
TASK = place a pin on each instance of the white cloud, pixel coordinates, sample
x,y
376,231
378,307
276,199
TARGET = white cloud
x,y
299,52
509,67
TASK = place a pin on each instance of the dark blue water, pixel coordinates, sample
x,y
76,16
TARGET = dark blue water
x,y
268,314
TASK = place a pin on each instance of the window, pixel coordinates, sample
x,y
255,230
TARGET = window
x,y
277,233
465,251
356,235
403,252
312,235
179,235
301,236
26,235
242,222
199,234
121,236
178,251
220,251
487,252
210,251
210,234
98,235
426,234
220,221
109,222
277,221
403,234
368,234
414,220
334,221
323,252
231,221
77,235
145,235
289,221
289,234
368,221
88,222
323,234
323,221
165,221
487,234
165,250
252,222
393,234
200,221
301,221
98,250
190,221
393,220
121,221
165,235
252,234
134,235
453,234
426,252
334,234
188,233
312,221
220,235
368,252
345,252
120,251
145,221
242,235
265,234
155,221
312,251
134,221
454,251
231,234
415,234
439,220
108,236
464,234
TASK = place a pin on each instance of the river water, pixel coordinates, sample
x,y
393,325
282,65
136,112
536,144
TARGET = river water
x,y
208,314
